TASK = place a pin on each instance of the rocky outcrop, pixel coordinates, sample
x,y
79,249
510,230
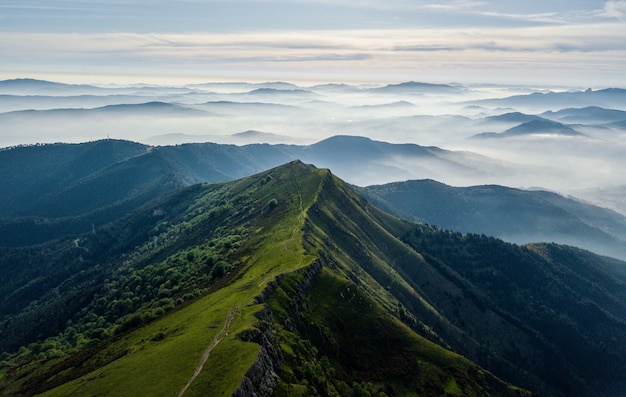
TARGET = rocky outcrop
x,y
262,377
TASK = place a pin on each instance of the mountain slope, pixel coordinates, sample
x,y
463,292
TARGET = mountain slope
x,y
512,117
515,215
36,177
233,330
431,285
53,190
289,282
541,126
33,86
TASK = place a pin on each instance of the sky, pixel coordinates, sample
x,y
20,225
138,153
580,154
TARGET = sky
x,y
570,43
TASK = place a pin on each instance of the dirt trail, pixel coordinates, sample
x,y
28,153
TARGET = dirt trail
x,y
294,232
231,314
218,338
300,216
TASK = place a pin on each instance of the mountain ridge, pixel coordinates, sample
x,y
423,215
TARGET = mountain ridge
x,y
245,277
303,267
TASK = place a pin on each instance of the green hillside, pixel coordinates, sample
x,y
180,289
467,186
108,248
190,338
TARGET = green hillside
x,y
515,215
50,191
289,282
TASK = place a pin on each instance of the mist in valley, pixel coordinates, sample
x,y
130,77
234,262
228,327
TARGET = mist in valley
x,y
472,121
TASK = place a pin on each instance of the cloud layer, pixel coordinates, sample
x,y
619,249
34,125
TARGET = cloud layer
x,y
460,40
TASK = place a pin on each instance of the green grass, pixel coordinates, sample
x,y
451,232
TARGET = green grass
x,y
350,342
163,365
452,388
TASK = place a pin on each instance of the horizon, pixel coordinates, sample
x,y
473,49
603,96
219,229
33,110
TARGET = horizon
x,y
301,84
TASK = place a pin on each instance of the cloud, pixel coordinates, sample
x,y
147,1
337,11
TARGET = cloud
x,y
616,9
455,5
547,17
426,48
572,52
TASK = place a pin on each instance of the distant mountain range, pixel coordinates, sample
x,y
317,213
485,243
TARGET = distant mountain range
x,y
26,86
38,87
139,109
536,126
606,98
416,88
240,138
513,117
587,115
520,216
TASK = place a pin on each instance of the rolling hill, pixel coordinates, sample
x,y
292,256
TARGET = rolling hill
x,y
587,115
288,282
520,216
538,126
417,88
106,179
540,101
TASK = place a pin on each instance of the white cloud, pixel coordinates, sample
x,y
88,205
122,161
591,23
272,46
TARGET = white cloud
x,y
568,52
455,5
616,9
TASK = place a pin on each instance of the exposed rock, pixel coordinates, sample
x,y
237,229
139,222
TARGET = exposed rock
x,y
262,377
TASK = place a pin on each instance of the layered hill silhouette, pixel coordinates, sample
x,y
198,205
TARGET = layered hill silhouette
x,y
47,186
417,88
289,282
536,126
587,115
54,190
520,216
606,98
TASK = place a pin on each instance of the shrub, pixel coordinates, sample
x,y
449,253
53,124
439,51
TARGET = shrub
x,y
133,322
266,179
220,269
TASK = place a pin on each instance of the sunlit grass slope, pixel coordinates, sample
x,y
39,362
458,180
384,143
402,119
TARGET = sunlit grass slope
x,y
160,357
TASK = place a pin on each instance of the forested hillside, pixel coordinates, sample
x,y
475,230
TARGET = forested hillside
x,y
289,282
59,189
515,215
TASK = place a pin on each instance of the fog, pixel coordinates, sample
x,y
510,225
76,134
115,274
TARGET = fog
x,y
585,161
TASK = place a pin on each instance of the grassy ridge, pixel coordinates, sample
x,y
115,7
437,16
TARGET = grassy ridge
x,y
161,356
280,210
334,327
294,266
